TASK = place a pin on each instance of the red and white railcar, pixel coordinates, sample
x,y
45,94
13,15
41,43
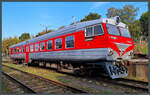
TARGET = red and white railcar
x,y
101,42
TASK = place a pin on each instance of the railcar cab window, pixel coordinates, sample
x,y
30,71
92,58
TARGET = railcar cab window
x,y
112,30
70,41
98,30
58,43
36,47
31,48
42,46
49,44
94,30
125,32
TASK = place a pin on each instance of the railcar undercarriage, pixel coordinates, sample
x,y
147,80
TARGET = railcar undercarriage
x,y
113,69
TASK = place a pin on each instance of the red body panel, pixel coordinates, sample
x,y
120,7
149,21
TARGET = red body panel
x,y
101,41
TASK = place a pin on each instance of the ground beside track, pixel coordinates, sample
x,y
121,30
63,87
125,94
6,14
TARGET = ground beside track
x,y
10,86
90,85
6,87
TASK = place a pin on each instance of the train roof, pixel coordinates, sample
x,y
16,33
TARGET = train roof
x,y
70,29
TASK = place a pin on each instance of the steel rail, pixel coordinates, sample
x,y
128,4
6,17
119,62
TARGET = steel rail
x,y
115,81
28,88
75,90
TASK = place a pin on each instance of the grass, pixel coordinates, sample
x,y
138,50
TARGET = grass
x,y
40,72
138,79
50,75
141,47
106,92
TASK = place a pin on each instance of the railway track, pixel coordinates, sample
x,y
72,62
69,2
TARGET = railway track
x,y
15,85
39,84
128,83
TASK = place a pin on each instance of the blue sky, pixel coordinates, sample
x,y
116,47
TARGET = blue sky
x,y
26,17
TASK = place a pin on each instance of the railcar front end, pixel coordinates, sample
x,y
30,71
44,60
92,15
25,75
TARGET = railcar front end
x,y
120,48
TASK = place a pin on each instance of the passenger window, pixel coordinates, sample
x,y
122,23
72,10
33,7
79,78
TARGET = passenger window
x,y
15,50
58,43
27,48
18,50
98,30
23,49
31,48
70,42
42,46
94,30
89,31
49,44
36,47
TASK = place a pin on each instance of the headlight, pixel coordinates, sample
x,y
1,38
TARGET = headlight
x,y
110,52
131,53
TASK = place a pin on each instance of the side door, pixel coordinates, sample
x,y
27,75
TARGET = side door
x,y
27,53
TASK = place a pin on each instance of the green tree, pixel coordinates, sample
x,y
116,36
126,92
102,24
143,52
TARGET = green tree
x,y
127,14
7,42
144,23
112,12
91,16
24,36
135,30
61,27
43,32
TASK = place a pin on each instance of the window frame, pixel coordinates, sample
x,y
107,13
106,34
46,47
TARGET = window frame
x,y
93,30
32,48
27,48
47,44
15,50
23,49
36,44
44,46
73,41
20,49
121,32
61,43
116,27
86,31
